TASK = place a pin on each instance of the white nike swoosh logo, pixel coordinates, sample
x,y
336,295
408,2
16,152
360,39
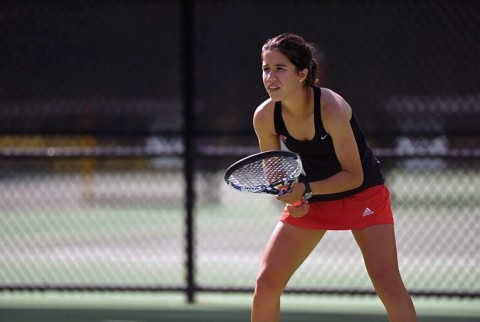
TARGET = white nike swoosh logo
x,y
323,137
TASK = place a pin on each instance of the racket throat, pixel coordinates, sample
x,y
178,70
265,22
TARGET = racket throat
x,y
282,187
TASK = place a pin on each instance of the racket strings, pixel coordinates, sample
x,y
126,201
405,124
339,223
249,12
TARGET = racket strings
x,y
265,172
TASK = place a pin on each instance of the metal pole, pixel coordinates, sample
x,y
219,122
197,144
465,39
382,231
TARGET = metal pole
x,y
187,70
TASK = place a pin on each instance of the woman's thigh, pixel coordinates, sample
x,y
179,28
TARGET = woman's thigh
x,y
286,250
378,246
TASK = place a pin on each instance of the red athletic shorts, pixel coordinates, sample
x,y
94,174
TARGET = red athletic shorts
x,y
366,208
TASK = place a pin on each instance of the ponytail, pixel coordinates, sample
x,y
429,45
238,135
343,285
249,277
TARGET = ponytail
x,y
312,78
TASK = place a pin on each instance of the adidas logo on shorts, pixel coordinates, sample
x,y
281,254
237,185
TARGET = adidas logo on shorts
x,y
367,212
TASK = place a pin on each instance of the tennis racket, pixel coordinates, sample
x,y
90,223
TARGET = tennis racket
x,y
270,172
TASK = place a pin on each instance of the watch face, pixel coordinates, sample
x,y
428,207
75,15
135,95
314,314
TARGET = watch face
x,y
307,195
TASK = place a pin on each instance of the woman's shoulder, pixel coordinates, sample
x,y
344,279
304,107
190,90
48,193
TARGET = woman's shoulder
x,y
265,109
331,100
263,119
331,97
333,105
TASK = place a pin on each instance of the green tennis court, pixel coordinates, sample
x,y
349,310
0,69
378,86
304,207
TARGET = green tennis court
x,y
101,307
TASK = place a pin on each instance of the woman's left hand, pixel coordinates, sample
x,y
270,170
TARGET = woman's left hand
x,y
295,194
296,205
298,209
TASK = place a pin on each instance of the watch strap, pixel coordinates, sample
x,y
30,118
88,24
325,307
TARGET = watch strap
x,y
308,190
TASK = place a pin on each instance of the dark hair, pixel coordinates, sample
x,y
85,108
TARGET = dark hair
x,y
298,51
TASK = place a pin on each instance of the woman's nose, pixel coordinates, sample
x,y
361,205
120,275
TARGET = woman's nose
x,y
270,75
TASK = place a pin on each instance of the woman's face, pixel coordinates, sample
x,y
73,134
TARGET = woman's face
x,y
280,76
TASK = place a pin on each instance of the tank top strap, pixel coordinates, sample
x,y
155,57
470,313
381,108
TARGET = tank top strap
x,y
280,127
317,113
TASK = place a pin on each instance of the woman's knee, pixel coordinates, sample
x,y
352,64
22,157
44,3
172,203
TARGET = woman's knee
x,y
268,282
388,283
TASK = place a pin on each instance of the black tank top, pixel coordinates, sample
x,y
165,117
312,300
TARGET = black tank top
x,y
318,155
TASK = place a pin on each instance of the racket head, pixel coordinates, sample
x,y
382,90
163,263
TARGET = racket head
x,y
271,172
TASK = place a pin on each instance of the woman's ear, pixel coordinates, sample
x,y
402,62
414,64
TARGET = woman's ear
x,y
302,75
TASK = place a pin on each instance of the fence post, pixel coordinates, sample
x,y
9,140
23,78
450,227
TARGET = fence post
x,y
187,70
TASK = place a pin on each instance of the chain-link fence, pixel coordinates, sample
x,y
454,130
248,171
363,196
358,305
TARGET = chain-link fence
x,y
104,187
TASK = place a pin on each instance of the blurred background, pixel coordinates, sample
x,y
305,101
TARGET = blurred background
x,y
119,118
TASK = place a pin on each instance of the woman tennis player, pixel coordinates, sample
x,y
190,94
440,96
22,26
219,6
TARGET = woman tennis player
x,y
343,187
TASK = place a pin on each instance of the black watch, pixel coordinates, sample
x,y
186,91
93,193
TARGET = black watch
x,y
308,191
